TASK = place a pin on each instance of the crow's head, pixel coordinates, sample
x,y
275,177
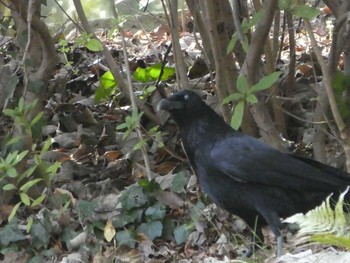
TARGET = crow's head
x,y
183,105
179,101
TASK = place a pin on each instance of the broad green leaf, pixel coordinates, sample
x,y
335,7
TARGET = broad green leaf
x,y
133,197
154,71
14,211
8,187
306,12
86,209
179,182
237,116
155,212
93,45
26,186
152,229
141,75
107,86
242,84
25,198
127,217
265,83
251,98
126,237
182,232
232,97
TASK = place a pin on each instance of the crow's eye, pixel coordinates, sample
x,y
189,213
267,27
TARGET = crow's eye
x,y
186,97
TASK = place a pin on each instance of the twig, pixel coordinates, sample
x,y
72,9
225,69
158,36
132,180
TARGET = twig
x,y
134,107
327,79
26,49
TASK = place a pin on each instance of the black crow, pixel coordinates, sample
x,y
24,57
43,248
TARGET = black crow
x,y
246,176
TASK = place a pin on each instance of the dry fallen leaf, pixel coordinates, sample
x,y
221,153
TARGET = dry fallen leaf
x,y
109,231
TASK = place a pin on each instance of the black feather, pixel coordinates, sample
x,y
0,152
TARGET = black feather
x,y
244,175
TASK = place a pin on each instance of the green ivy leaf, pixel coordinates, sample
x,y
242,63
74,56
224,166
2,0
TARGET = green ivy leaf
x,y
133,197
86,209
179,182
126,237
152,229
182,232
155,212
237,116
11,233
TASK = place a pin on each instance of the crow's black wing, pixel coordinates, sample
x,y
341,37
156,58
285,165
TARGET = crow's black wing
x,y
249,160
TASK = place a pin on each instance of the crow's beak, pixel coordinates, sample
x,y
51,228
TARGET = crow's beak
x,y
167,105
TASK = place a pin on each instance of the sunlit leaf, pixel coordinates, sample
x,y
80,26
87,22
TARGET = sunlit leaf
x,y
154,71
142,75
107,86
93,45
109,231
